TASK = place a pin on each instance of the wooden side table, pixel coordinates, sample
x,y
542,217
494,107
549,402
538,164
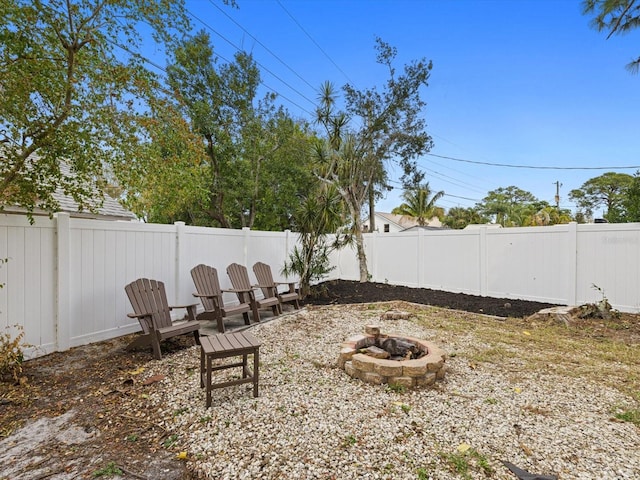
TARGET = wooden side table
x,y
229,345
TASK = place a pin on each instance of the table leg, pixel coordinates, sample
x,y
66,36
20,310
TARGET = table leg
x,y
256,362
208,381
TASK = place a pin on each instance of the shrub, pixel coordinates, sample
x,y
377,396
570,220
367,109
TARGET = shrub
x,y
11,354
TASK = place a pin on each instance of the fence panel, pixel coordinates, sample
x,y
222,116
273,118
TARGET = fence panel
x,y
28,297
528,263
608,257
64,279
103,257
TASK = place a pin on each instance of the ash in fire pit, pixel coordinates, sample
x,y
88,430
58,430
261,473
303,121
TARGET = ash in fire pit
x,y
376,358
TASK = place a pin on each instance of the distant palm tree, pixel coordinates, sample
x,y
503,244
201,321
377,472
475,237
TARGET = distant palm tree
x,y
420,204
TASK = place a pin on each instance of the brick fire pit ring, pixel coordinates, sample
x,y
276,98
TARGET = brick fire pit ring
x,y
376,371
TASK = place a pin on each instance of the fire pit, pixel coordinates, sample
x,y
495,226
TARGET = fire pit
x,y
396,360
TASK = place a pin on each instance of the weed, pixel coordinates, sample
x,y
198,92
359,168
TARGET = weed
x,y
205,419
349,441
132,438
632,416
423,474
405,408
491,401
601,309
180,411
11,353
111,470
396,387
171,441
463,462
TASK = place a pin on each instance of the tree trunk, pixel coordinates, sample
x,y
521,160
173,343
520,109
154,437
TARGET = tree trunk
x,y
362,256
372,210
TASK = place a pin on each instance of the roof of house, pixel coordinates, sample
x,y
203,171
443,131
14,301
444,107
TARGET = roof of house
x,y
110,209
406,222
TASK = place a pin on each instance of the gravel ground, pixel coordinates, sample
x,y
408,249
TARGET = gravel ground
x,y
312,421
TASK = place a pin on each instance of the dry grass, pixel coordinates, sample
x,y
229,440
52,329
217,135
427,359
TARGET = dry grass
x,y
604,352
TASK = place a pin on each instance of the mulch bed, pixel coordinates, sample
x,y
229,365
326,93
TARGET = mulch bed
x,y
346,292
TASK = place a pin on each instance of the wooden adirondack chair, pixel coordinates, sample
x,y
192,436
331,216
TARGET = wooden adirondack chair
x,y
149,301
240,281
269,287
209,292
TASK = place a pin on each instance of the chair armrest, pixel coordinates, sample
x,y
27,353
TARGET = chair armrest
x,y
205,295
138,315
191,310
236,290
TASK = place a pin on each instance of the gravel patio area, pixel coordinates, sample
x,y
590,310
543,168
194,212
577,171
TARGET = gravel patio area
x,y
312,421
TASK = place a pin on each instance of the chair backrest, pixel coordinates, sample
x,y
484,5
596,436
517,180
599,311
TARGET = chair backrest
x,y
206,281
265,278
148,297
239,276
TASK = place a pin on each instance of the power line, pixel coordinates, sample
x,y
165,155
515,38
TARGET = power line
x,y
314,42
262,45
536,167
262,66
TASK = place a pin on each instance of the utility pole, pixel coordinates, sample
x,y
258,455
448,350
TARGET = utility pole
x,y
558,185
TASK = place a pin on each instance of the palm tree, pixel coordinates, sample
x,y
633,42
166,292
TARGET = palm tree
x,y
420,204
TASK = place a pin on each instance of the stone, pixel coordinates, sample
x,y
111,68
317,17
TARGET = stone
x,y
351,371
372,330
387,368
414,368
406,382
376,352
426,380
373,378
363,362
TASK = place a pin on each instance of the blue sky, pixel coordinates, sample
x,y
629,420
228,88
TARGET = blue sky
x,y
513,82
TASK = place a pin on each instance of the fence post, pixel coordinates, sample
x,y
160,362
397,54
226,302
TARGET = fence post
x,y
63,293
484,261
373,261
572,268
180,259
287,239
421,260
245,245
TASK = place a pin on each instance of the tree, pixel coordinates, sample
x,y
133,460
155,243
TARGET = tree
x,y
631,200
616,17
71,93
392,126
607,190
248,174
459,217
319,213
351,158
510,207
420,203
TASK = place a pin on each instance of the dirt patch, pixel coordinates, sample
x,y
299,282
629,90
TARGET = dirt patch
x,y
345,292
85,410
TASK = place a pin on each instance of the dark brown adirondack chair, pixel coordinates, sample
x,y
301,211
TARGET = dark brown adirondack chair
x,y
149,301
240,281
270,288
209,292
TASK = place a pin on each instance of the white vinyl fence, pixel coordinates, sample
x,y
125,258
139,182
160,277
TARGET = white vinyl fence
x,y
64,279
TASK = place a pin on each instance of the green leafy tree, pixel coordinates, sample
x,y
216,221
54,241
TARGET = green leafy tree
x,y
254,153
69,92
607,190
510,206
420,203
459,217
163,179
631,200
319,213
615,17
392,127
388,126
